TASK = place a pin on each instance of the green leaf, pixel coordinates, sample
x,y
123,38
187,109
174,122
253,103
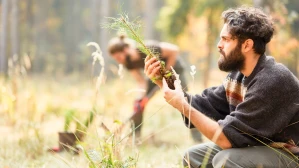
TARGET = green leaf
x,y
117,122
69,116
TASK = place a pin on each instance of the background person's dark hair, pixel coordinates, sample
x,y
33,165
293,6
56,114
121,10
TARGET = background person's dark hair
x,y
250,23
118,44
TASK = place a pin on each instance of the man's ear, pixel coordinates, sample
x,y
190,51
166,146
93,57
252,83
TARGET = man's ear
x,y
247,45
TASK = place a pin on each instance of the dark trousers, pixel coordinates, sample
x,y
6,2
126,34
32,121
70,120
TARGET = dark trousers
x,y
248,157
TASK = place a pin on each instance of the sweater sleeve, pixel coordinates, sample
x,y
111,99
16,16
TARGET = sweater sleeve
x,y
268,107
212,102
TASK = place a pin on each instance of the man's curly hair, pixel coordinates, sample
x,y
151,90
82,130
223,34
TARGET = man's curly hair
x,y
250,23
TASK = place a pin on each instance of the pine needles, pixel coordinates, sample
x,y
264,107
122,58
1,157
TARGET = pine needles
x,y
131,29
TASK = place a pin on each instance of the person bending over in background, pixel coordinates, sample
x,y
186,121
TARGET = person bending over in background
x,y
252,119
125,52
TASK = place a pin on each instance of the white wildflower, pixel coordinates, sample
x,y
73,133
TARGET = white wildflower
x,y
120,71
96,45
98,56
193,70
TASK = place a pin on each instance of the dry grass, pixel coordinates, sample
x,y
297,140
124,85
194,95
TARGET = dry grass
x,y
32,114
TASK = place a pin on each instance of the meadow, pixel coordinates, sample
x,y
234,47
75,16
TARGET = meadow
x,y
33,109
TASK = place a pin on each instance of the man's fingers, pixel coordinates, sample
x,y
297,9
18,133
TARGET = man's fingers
x,y
148,64
155,71
153,66
177,84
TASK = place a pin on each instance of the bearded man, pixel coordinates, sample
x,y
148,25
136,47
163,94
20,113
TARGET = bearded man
x,y
252,119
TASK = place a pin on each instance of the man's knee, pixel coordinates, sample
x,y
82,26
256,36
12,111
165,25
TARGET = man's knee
x,y
190,157
195,155
220,159
230,158
260,156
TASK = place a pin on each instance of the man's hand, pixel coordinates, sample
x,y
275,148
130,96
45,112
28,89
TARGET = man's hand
x,y
174,97
208,127
151,70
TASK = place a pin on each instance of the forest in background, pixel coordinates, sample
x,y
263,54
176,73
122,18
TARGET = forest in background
x,y
53,34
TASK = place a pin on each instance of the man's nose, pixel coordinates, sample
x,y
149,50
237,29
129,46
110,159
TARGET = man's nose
x,y
219,45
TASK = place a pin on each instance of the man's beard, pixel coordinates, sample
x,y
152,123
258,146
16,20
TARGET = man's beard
x,y
232,61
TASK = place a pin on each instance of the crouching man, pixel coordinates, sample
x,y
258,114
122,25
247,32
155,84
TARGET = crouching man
x,y
252,119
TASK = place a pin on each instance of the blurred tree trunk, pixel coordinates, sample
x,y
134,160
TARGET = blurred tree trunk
x,y
14,28
27,22
126,6
3,57
77,26
68,32
210,42
27,44
132,5
104,9
39,36
103,37
103,33
70,37
94,21
212,33
150,13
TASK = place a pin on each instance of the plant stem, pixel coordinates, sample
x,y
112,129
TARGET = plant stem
x,y
137,37
149,52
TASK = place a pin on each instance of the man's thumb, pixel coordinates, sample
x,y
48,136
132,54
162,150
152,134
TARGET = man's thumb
x,y
177,84
165,85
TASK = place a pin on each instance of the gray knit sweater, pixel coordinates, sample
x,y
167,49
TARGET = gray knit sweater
x,y
262,107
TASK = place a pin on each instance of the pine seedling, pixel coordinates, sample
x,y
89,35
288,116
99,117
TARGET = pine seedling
x,y
131,29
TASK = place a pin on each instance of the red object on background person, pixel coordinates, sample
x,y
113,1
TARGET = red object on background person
x,y
137,116
140,104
